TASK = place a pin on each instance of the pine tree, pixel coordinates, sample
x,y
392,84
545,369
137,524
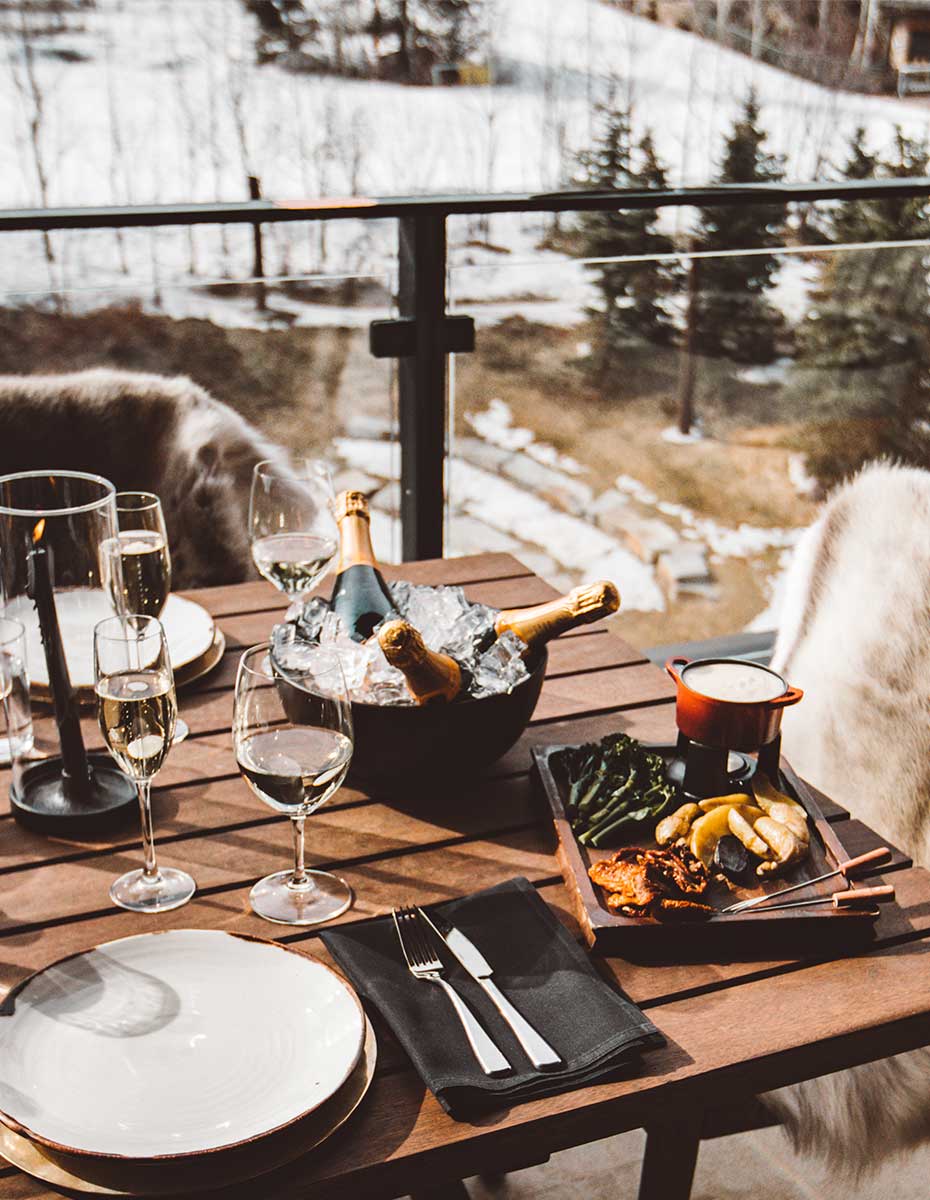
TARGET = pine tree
x,y
733,316
869,320
428,32
632,293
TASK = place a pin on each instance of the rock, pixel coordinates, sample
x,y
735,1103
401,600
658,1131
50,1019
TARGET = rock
x,y
647,537
479,453
366,425
561,490
352,480
684,568
610,511
468,535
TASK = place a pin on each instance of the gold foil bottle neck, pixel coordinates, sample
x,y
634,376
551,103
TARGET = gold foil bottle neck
x,y
601,597
402,645
430,676
352,504
542,622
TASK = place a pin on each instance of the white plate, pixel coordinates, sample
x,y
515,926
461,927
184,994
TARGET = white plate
x,y
174,1043
189,629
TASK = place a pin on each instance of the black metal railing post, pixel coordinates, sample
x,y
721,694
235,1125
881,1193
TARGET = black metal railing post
x,y
421,377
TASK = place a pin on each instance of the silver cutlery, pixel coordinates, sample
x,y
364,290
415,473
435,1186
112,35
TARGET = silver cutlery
x,y
540,1053
415,942
854,898
879,854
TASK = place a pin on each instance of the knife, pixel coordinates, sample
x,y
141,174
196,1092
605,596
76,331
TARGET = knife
x,y
540,1053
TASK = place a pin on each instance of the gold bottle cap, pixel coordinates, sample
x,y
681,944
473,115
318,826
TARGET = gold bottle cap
x,y
402,644
601,596
352,504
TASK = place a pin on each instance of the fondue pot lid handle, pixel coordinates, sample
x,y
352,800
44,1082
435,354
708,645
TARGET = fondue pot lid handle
x,y
672,664
791,696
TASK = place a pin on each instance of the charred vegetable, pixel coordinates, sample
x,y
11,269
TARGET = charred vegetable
x,y
734,860
614,784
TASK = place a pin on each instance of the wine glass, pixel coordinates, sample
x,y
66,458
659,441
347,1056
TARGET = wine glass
x,y
292,735
292,526
143,582
136,708
14,692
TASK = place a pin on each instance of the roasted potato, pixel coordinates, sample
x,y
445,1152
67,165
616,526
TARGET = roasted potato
x,y
742,828
785,846
676,825
718,801
713,825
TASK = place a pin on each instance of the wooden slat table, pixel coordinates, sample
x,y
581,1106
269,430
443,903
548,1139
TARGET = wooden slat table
x,y
733,1028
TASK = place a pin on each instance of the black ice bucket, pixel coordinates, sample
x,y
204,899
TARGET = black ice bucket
x,y
415,746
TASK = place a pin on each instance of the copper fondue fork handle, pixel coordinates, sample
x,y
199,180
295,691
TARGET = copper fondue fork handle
x,y
852,898
879,854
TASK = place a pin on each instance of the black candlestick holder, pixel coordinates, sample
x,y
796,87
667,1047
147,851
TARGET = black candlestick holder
x,y
52,525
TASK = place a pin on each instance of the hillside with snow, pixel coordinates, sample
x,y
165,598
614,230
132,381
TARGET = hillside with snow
x,y
162,100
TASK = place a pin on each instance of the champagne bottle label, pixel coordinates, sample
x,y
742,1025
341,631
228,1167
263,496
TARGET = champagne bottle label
x,y
430,676
360,595
542,622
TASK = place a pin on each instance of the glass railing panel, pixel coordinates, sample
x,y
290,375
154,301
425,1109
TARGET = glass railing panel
x,y
685,456
289,355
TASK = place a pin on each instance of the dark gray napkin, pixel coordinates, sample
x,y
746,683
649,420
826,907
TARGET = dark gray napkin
x,y
545,974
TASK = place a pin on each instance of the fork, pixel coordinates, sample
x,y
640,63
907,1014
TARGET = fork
x,y
423,963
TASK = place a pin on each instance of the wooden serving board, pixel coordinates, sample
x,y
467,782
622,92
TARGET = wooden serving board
x,y
612,933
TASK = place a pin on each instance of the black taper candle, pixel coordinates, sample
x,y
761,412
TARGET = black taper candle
x,y
64,697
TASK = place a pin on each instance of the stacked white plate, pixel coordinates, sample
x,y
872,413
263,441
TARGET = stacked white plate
x,y
195,645
176,1060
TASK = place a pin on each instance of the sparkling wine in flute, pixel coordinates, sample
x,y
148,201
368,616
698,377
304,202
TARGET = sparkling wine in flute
x,y
137,712
360,595
294,770
146,571
293,562
430,676
543,622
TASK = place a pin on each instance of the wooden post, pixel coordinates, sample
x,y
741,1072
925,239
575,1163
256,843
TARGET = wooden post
x,y
258,258
670,1159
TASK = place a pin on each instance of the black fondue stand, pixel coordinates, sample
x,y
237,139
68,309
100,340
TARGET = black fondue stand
x,y
74,793
704,771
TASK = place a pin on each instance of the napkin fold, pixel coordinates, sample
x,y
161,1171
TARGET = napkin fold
x,y
541,970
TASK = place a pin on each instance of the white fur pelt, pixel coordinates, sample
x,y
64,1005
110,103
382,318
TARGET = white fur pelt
x,y
149,433
855,636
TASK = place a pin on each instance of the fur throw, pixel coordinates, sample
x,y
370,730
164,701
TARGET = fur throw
x,y
149,433
856,637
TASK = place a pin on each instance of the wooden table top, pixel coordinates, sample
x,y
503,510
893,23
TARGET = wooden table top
x,y
732,1028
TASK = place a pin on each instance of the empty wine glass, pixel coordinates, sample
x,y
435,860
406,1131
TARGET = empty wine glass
x,y
292,526
14,692
136,708
292,735
142,584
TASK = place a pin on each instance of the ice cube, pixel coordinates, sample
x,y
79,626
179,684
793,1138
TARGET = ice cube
x,y
433,611
501,667
464,637
310,618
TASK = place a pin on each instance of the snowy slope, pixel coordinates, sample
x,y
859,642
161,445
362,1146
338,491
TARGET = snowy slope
x,y
168,106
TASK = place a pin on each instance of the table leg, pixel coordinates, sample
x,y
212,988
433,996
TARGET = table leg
x,y
670,1159
444,1191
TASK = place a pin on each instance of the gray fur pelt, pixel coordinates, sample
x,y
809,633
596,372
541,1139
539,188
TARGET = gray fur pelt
x,y
855,636
149,433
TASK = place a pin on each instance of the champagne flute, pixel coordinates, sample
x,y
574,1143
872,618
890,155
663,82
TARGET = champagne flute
x,y
292,735
142,584
292,526
137,710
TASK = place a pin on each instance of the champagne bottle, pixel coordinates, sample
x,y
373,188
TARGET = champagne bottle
x,y
542,622
360,595
430,676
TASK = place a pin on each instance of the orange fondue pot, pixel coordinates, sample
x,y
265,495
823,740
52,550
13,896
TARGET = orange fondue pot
x,y
730,703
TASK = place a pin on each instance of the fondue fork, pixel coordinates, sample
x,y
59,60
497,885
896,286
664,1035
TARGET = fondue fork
x,y
848,899
880,854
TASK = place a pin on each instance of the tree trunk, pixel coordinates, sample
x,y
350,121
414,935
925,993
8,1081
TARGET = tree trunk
x,y
687,371
403,53
823,21
867,35
758,28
